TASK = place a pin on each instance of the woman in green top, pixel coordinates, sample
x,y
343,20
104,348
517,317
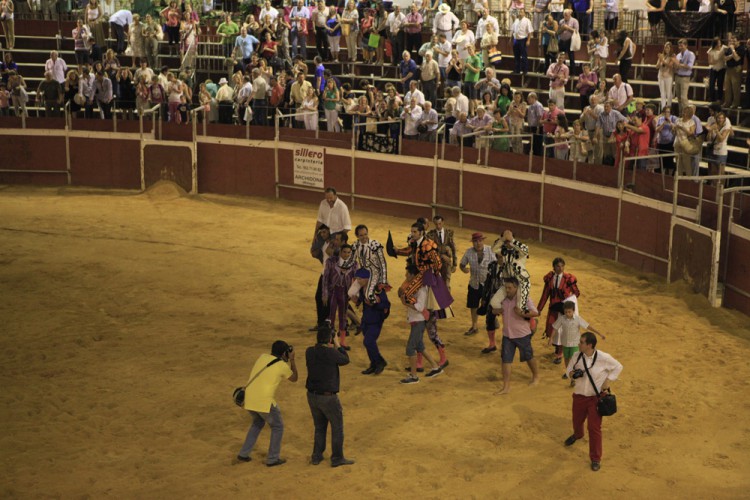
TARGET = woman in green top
x,y
331,98
503,99
228,31
500,127
472,68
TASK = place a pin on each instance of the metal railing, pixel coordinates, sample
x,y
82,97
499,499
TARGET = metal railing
x,y
487,138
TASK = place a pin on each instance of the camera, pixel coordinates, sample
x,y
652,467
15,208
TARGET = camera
x,y
290,349
577,373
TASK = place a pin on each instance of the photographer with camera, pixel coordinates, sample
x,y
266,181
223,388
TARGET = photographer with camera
x,y
323,361
269,370
602,369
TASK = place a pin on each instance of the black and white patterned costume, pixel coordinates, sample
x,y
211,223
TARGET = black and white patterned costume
x,y
512,260
370,256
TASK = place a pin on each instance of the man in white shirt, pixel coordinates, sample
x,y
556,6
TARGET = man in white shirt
x,y
414,93
119,21
56,66
333,213
445,22
260,98
267,10
411,115
244,96
395,21
603,370
321,31
298,34
430,119
521,33
620,95
462,102
484,21
443,50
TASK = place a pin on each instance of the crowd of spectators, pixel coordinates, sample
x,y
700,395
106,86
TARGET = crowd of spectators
x,y
450,80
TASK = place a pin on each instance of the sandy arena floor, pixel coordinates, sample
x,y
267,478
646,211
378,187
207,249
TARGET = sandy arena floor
x,y
129,318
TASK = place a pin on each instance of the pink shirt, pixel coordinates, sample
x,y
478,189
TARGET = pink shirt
x,y
558,74
515,326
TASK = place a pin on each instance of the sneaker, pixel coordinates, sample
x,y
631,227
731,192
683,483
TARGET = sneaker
x,y
243,459
279,461
434,372
410,380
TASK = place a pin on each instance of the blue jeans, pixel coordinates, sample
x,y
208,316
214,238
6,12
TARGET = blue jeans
x,y
260,419
519,53
296,38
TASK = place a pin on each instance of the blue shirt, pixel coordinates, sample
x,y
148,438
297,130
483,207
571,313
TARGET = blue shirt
x,y
581,5
246,45
406,68
666,136
331,23
698,125
686,58
319,70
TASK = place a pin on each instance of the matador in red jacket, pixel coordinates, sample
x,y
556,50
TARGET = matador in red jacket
x,y
559,286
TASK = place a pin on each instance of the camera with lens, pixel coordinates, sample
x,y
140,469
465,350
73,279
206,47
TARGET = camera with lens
x,y
290,349
577,373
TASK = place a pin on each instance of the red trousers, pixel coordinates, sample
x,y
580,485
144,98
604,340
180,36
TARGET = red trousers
x,y
585,407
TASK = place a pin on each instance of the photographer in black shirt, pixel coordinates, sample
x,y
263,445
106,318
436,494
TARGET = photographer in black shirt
x,y
323,361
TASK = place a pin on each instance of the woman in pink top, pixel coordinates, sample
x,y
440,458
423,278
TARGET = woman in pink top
x,y
587,82
171,16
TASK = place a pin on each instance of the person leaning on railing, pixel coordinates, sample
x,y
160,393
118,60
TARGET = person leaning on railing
x,y
228,31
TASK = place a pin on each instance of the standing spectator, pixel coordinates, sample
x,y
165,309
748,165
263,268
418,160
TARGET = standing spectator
x,y
310,109
333,27
298,18
119,22
228,31
598,48
50,94
136,39
268,10
558,74
464,39
586,85
381,28
259,96
103,94
408,70
472,69
684,73
488,43
666,62
367,28
320,81
516,116
540,9
171,16
56,66
95,20
414,93
244,45
350,29
567,26
603,369
331,98
298,93
81,35
734,54
6,18
684,130
444,56
665,139
725,18
626,54
488,85
562,138
620,95
516,333
534,113
411,115
18,95
583,12
445,22
607,122
590,116
321,32
611,16
413,30
224,96
549,124
521,32
396,20
718,134
152,33
550,45
640,138
323,384
430,75
174,97
268,372
655,10
430,119
481,122
717,68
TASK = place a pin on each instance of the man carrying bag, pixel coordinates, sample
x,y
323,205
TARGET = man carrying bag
x,y
592,371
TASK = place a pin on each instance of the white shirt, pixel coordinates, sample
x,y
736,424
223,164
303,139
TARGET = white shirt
x,y
443,60
431,116
394,22
605,368
122,17
521,28
568,331
445,22
58,69
243,96
336,217
618,96
414,314
418,95
321,16
482,26
462,106
268,12
411,118
462,41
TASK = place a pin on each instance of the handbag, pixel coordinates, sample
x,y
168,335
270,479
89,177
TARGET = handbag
x,y
345,29
495,56
607,404
575,41
553,46
238,395
373,41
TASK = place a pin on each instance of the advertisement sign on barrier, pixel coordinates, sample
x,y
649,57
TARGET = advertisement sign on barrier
x,y
309,162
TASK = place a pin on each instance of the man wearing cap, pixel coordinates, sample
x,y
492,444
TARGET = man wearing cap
x,y
374,313
445,22
477,260
226,104
260,399
323,361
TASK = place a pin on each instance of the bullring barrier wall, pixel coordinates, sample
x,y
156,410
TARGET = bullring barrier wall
x,y
546,205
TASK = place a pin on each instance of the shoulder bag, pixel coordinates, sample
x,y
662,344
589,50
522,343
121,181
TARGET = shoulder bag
x,y
607,404
239,393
